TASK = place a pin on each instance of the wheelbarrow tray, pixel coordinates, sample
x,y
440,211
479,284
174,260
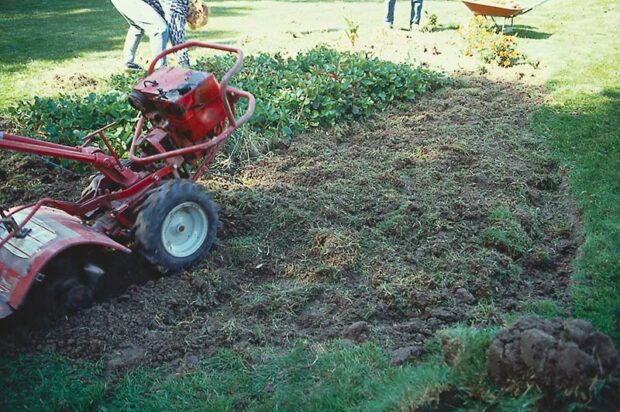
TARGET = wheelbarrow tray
x,y
493,10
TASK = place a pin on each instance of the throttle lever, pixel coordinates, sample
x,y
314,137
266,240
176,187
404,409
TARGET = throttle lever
x,y
11,225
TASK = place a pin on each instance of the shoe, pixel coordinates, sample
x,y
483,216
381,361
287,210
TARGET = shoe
x,y
389,25
414,27
132,67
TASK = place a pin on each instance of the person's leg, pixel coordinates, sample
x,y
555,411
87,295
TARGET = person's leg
x,y
158,39
416,12
175,13
150,22
177,36
134,35
389,17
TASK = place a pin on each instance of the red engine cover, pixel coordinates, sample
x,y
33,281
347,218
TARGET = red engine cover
x,y
190,102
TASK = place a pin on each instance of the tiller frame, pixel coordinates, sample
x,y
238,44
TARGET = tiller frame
x,y
146,170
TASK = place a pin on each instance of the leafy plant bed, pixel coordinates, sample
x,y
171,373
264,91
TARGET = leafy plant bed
x,y
319,88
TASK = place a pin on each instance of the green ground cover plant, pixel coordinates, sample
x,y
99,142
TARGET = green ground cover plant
x,y
66,119
319,88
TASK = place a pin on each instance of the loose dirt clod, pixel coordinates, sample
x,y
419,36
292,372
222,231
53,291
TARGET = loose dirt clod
x,y
463,295
357,332
126,355
402,355
558,353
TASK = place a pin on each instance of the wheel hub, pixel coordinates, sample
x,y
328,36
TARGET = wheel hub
x,y
184,229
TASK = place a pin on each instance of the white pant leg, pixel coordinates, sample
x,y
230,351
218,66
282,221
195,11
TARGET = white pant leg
x,y
132,40
142,19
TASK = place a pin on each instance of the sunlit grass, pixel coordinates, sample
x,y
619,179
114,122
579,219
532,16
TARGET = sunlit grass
x,y
581,125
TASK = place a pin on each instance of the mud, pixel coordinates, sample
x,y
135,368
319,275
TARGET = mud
x,y
405,354
565,354
74,82
445,210
25,179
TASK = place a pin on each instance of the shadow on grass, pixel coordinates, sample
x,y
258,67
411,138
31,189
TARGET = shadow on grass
x,y
226,11
586,136
529,32
57,30
63,29
446,27
612,94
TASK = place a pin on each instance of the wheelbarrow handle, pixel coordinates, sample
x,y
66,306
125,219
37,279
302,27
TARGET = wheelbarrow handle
x,y
527,10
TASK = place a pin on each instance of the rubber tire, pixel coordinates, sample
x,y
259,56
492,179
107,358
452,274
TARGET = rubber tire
x,y
158,204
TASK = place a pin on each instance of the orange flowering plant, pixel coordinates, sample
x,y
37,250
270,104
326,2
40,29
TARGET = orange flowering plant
x,y
482,39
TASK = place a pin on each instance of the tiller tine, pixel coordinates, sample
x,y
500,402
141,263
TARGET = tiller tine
x,y
24,257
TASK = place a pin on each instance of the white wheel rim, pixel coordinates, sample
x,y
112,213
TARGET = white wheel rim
x,y
184,230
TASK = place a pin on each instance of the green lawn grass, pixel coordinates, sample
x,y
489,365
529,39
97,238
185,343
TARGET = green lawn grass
x,y
46,44
585,134
580,123
578,47
307,378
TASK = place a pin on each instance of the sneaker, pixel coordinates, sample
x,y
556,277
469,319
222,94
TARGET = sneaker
x,y
389,25
132,67
414,27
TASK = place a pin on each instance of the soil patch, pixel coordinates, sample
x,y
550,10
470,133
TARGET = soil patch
x,y
74,82
445,210
25,179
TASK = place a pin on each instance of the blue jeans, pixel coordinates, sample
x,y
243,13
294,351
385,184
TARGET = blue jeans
x,y
416,11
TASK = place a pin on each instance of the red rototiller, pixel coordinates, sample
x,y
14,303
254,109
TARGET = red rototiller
x,y
149,203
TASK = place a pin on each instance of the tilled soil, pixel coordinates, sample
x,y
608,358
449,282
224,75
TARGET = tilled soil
x,y
445,210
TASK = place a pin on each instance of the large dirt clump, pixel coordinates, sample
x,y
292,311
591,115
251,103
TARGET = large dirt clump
x,y
560,353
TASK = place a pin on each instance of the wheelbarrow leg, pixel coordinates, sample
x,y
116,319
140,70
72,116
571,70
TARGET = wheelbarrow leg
x,y
494,22
510,28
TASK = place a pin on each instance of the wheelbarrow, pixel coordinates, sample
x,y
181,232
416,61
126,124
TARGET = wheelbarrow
x,y
490,10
